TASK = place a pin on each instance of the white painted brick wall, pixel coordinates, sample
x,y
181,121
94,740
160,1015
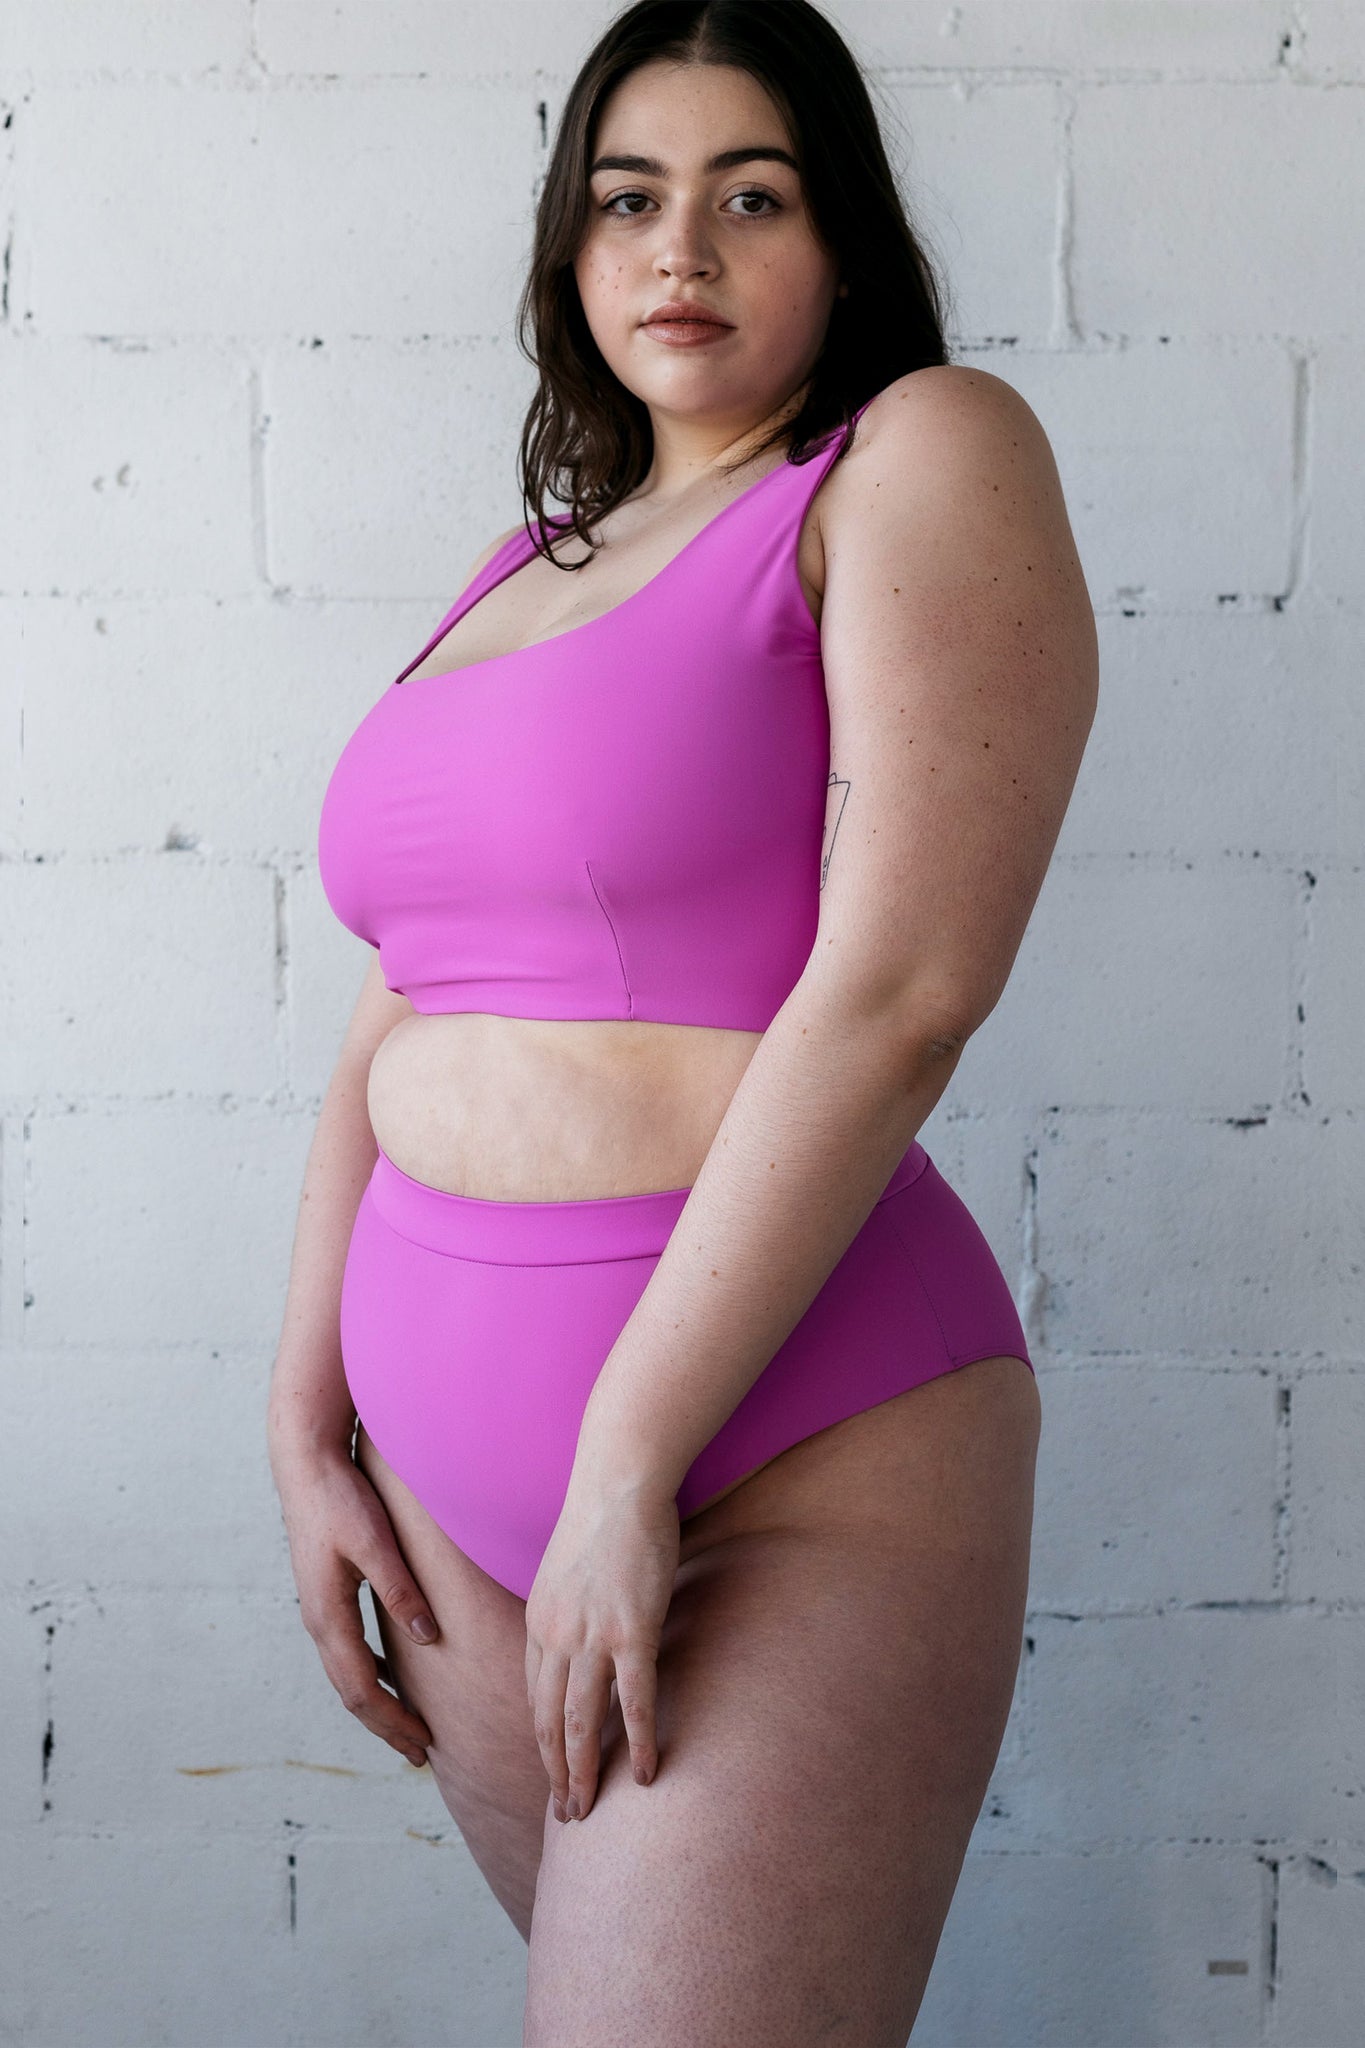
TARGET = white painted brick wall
x,y
258,402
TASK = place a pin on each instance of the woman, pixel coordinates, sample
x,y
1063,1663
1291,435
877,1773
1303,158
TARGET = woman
x,y
696,1424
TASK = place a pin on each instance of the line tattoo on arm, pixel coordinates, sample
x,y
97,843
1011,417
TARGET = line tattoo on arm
x,y
834,810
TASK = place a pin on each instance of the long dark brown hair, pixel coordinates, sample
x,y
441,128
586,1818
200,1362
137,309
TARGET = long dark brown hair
x,y
587,439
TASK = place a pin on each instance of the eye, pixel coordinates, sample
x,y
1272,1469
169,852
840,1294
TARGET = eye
x,y
612,204
755,193
750,192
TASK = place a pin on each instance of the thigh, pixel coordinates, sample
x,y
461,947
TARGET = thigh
x,y
470,1688
835,1676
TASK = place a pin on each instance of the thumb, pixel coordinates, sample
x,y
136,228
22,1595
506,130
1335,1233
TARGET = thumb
x,y
402,1598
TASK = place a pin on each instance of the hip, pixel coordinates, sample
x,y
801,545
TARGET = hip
x,y
473,1332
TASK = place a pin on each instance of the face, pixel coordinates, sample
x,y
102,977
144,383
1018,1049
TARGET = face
x,y
670,222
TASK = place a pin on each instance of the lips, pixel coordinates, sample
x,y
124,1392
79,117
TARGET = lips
x,y
678,313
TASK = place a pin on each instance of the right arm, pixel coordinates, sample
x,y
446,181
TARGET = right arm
x,y
310,1413
339,1532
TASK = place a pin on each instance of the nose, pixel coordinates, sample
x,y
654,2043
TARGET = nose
x,y
685,247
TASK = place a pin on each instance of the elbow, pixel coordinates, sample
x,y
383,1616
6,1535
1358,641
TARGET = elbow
x,y
936,1039
934,1029
922,1024
942,1041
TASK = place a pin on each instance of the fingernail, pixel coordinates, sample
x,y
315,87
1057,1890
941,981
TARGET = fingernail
x,y
559,1808
416,1757
574,1810
641,1775
424,1628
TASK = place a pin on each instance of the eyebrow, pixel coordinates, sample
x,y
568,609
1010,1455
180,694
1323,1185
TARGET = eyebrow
x,y
728,159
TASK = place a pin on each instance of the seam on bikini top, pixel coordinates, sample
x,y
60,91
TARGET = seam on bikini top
x,y
611,926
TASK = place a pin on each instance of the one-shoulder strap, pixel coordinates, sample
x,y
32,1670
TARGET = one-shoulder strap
x,y
819,465
801,480
773,527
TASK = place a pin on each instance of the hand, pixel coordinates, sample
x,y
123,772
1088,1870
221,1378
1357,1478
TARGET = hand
x,y
597,1605
340,1534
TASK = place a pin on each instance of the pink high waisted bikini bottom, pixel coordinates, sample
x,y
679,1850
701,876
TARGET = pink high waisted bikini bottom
x,y
473,1331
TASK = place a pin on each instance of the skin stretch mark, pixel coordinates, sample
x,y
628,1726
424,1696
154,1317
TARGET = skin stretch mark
x,y
834,810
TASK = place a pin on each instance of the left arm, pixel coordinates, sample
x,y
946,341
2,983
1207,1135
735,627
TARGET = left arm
x,y
958,643
959,650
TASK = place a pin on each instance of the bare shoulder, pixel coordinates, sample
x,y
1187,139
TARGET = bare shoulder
x,y
943,385
949,436
951,477
951,399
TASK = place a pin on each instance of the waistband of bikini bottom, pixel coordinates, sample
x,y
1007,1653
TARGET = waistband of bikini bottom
x,y
549,1233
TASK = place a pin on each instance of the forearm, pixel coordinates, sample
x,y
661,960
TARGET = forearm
x,y
829,1103
310,1407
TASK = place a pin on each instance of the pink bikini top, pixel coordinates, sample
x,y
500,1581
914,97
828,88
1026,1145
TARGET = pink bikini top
x,y
622,821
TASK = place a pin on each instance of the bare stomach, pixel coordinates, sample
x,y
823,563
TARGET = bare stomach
x,y
515,1109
